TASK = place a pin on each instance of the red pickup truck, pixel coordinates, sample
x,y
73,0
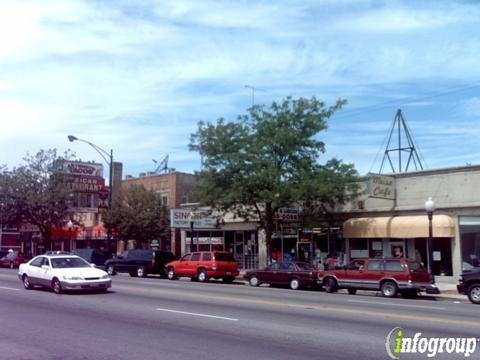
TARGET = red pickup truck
x,y
388,275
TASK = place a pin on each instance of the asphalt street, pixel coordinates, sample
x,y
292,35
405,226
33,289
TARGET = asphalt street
x,y
153,318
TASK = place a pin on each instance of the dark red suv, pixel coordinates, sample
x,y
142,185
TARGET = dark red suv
x,y
389,275
204,265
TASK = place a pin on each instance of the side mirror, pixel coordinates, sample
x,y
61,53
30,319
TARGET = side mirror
x,y
92,265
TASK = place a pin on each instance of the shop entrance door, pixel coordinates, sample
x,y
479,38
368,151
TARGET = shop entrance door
x,y
304,251
239,249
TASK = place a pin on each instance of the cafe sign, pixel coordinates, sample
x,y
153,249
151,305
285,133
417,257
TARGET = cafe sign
x,y
381,187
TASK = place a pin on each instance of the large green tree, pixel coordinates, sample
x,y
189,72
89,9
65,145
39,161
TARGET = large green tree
x,y
268,159
37,193
138,214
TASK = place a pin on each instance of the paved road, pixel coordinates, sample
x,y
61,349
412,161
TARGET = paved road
x,y
153,318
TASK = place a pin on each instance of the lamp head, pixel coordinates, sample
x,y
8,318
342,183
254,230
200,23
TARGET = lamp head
x,y
72,138
430,205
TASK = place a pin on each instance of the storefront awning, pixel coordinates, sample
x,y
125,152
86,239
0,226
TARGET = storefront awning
x,y
400,227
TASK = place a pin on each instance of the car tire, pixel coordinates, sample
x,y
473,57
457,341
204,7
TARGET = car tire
x,y
473,293
171,274
110,270
352,291
141,271
295,284
26,282
202,275
228,279
330,285
56,286
253,281
389,289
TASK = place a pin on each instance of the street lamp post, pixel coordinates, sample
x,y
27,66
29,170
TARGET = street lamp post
x,y
430,208
70,226
108,157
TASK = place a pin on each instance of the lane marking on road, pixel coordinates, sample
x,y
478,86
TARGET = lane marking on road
x,y
316,307
197,314
9,288
395,304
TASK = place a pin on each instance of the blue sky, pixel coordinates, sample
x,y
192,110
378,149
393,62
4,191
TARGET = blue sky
x,y
137,76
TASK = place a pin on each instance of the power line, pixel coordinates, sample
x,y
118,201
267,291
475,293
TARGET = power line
x,y
398,102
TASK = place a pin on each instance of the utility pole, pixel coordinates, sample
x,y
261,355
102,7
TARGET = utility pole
x,y
253,92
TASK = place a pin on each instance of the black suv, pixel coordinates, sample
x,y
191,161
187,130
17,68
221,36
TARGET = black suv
x,y
93,256
470,285
140,262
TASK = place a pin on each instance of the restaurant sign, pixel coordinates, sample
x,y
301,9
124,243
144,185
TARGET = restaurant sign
x,y
382,187
86,184
82,168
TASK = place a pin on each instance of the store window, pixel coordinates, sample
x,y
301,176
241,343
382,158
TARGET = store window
x,y
470,241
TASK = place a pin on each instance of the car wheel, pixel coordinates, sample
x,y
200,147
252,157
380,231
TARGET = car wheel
x,y
228,279
111,270
171,274
295,284
253,281
352,291
202,275
330,285
56,286
389,289
473,293
141,271
26,282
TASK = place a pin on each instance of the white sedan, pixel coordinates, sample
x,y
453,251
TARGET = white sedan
x,y
63,272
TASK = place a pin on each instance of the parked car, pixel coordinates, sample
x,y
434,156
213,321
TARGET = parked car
x,y
294,274
61,273
140,262
204,265
93,256
389,275
469,284
13,259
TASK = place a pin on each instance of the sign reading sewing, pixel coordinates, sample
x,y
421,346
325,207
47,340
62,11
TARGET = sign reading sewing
x,y
382,187
184,218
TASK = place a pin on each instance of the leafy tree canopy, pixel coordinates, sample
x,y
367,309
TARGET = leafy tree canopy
x,y
36,192
138,214
267,159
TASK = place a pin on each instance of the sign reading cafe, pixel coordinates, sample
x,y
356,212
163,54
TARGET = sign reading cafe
x,y
382,187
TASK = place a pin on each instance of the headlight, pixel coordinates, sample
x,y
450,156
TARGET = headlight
x,y
72,277
106,276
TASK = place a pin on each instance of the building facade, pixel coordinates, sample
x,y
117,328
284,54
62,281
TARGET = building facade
x,y
390,219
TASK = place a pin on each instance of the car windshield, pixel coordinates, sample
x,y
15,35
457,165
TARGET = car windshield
x,y
69,262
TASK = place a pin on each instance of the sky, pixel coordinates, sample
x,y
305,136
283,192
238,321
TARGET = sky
x,y
137,76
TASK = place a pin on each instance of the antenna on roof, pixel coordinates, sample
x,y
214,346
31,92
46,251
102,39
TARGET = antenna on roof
x,y
400,126
161,165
